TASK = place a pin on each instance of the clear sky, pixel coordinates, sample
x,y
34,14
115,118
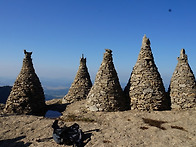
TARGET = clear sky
x,y
59,31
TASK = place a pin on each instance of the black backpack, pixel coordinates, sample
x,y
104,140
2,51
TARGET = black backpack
x,y
68,135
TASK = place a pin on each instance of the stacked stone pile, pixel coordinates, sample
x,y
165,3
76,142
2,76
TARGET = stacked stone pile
x,y
182,88
81,84
27,96
145,87
106,93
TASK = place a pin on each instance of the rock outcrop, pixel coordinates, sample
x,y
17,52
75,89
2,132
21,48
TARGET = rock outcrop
x,y
27,96
106,94
182,88
145,87
81,84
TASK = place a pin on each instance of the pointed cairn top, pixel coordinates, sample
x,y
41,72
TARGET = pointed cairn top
x,y
145,52
27,63
145,41
83,60
107,56
108,51
183,56
27,54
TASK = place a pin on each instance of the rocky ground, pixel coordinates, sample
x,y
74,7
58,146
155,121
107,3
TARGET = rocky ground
x,y
104,129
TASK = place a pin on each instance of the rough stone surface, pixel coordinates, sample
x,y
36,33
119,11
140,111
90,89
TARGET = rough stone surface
x,y
145,87
106,93
81,84
183,86
27,96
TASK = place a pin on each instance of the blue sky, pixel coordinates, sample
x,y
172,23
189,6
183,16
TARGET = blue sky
x,y
59,31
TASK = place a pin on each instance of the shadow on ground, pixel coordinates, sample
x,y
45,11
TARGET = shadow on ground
x,y
15,142
57,107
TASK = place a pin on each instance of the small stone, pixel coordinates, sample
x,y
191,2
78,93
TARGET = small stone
x,y
182,85
148,90
93,108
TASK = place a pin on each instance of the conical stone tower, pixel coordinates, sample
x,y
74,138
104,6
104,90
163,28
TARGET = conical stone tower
x,y
145,87
27,96
182,88
106,93
81,84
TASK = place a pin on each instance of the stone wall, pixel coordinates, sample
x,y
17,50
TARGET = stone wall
x,y
182,88
81,84
145,87
27,96
106,93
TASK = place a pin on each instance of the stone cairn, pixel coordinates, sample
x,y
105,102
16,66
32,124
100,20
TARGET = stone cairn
x,y
106,93
81,84
145,87
27,96
182,87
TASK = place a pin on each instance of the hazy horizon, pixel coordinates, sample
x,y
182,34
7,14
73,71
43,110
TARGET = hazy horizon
x,y
62,83
59,32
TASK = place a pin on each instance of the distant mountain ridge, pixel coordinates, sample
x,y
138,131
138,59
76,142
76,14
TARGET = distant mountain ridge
x,y
53,88
4,93
49,93
55,93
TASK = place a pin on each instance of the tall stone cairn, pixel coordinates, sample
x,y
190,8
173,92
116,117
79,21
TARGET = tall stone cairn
x,y
27,96
106,93
81,84
182,87
145,87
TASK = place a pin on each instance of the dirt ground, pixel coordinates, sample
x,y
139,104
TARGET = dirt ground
x,y
104,129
